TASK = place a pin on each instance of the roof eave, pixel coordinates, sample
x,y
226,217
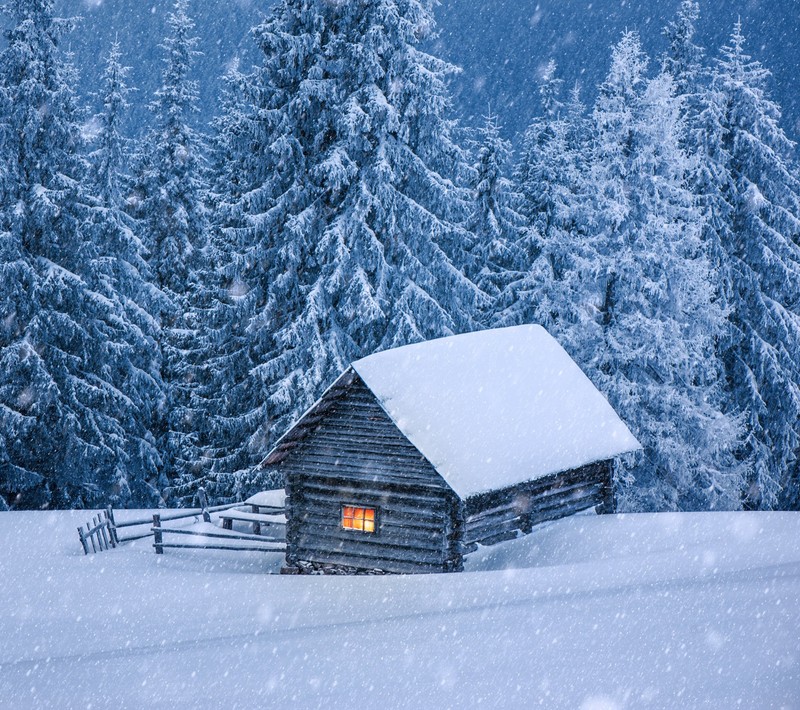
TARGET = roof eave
x,y
307,421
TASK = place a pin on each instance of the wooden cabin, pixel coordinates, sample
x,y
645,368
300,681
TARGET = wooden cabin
x,y
417,455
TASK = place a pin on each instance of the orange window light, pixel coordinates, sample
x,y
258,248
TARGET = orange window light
x,y
362,519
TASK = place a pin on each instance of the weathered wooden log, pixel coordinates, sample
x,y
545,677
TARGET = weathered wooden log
x,y
90,533
101,528
212,546
223,536
112,526
203,500
84,543
157,539
177,514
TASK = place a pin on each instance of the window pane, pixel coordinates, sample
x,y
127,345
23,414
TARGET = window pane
x,y
354,518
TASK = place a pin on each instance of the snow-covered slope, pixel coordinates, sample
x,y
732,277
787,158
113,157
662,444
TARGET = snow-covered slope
x,y
645,611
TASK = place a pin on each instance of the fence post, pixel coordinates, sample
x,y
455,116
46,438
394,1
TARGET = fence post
x,y
157,540
112,526
109,528
83,540
91,532
102,537
201,496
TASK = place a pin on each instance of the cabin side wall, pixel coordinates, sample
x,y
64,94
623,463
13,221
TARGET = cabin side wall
x,y
507,513
355,455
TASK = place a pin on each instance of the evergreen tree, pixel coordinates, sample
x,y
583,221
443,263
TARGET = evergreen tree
x,y
495,223
556,202
110,151
125,279
63,434
355,196
228,398
169,171
168,202
234,395
683,60
230,428
635,305
660,313
749,179
550,91
543,171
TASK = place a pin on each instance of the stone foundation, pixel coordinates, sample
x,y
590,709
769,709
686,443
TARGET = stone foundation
x,y
304,567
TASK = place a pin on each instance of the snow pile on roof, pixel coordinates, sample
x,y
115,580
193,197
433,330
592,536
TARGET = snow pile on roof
x,y
496,407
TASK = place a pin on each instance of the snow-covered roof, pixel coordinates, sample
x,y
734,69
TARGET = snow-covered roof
x,y
496,407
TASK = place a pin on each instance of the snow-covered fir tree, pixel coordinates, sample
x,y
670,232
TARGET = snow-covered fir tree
x,y
683,60
125,278
234,396
230,398
540,172
651,347
169,184
109,147
167,200
227,398
498,255
556,202
64,434
355,194
749,179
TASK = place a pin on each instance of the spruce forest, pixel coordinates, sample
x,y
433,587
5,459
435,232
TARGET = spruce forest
x,y
171,302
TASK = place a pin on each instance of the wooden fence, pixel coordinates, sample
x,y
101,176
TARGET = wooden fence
x,y
219,539
102,532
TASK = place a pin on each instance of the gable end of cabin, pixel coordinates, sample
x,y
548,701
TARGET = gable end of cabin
x,y
359,496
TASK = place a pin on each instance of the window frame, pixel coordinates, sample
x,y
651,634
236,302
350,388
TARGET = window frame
x,y
356,507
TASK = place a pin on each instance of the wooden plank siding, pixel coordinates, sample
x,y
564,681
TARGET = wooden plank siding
x,y
506,513
353,454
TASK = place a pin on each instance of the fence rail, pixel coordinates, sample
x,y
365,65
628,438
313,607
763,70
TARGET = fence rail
x,y
178,515
102,532
234,540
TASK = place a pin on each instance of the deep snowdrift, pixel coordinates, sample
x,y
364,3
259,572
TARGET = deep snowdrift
x,y
644,611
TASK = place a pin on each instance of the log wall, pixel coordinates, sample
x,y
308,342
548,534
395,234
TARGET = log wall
x,y
510,512
355,455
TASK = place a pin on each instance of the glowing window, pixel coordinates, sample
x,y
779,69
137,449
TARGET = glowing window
x,y
362,519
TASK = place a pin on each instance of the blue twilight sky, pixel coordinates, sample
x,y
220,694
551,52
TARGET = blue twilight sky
x,y
501,45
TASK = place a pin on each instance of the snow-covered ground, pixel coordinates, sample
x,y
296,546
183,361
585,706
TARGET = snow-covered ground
x,y
641,611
